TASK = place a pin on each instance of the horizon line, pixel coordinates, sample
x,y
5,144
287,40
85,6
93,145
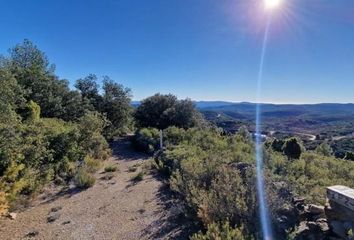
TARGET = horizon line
x,y
266,102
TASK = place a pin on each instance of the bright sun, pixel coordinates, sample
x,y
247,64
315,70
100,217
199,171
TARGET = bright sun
x,y
271,4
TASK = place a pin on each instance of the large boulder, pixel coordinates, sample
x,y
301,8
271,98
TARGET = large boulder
x,y
316,210
312,231
342,229
335,211
339,211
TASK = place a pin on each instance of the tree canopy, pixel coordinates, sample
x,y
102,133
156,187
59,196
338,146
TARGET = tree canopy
x,y
47,130
292,148
161,111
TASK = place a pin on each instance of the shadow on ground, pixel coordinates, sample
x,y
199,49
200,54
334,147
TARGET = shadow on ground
x,y
173,224
63,193
123,150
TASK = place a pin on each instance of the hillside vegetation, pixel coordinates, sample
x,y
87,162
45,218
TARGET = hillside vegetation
x,y
314,123
48,131
214,176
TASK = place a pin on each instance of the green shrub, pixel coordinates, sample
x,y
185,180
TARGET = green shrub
x,y
91,126
277,145
221,232
214,176
349,156
84,179
111,168
147,140
32,111
147,164
324,149
312,173
292,148
46,129
138,177
4,205
162,111
92,165
173,136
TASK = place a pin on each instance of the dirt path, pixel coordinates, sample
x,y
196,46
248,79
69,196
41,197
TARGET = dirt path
x,y
112,209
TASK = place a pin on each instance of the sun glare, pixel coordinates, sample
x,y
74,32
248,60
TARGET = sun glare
x,y
271,4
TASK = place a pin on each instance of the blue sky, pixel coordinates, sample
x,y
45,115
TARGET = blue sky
x,y
202,49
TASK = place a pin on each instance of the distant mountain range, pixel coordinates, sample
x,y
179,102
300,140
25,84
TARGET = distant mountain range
x,y
244,110
276,110
333,118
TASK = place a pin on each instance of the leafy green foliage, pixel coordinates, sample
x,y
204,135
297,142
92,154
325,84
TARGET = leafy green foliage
x,y
147,140
116,106
277,145
349,156
46,130
223,232
114,103
91,126
111,168
11,97
84,179
138,177
35,75
214,176
342,146
92,165
32,111
324,149
292,148
312,173
4,205
202,172
161,111
89,88
243,132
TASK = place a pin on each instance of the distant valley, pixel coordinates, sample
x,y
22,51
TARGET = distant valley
x,y
313,123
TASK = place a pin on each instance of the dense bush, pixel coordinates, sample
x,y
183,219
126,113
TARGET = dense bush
x,y
277,145
84,179
202,172
111,168
138,177
342,146
3,204
349,156
162,111
215,178
223,232
312,173
147,140
37,152
91,165
38,143
292,148
324,149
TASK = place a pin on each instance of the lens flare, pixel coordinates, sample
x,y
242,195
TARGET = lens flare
x,y
271,4
261,192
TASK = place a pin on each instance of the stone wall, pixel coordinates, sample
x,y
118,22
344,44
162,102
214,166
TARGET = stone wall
x,y
339,211
333,221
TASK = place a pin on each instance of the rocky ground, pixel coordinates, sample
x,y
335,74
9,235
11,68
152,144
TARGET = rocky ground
x,y
116,208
